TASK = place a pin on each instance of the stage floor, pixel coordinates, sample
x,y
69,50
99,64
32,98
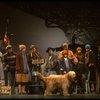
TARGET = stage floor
x,y
72,96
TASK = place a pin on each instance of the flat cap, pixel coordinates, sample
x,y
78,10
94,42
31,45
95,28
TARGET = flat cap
x,y
87,46
32,46
8,46
65,44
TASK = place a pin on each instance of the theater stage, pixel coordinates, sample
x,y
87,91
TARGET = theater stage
x,y
72,96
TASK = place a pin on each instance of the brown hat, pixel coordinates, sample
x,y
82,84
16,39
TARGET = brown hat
x,y
79,48
22,46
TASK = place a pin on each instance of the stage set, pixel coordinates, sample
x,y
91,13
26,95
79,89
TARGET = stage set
x,y
72,96
36,91
73,62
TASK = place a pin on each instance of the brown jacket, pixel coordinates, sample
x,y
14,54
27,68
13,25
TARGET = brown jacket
x,y
19,63
70,54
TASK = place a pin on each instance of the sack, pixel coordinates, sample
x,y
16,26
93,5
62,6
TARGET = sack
x,y
21,77
5,90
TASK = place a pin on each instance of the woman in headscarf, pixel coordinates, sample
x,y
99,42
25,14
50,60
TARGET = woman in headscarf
x,y
22,68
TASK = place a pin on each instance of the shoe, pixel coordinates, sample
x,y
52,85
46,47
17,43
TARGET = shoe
x,y
24,92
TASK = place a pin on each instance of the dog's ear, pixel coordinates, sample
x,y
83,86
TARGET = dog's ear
x,y
69,76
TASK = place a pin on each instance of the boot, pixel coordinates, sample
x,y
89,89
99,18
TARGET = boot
x,y
23,90
20,89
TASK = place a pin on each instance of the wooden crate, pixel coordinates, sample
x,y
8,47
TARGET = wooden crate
x,y
5,90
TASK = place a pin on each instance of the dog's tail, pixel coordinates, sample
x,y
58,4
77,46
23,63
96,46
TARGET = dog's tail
x,y
42,77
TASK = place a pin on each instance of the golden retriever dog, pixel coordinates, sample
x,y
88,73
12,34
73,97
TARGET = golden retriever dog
x,y
58,81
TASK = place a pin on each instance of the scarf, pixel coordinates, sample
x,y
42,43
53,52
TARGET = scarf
x,y
86,57
26,67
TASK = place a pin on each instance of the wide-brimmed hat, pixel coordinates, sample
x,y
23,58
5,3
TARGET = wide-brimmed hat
x,y
49,48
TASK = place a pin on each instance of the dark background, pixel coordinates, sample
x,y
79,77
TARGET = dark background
x,y
29,30
50,24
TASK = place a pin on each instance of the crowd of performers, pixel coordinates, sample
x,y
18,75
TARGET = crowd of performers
x,y
18,67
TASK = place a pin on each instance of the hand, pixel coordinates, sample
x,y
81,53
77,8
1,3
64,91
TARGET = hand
x,y
75,60
90,65
7,66
61,69
83,76
64,72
